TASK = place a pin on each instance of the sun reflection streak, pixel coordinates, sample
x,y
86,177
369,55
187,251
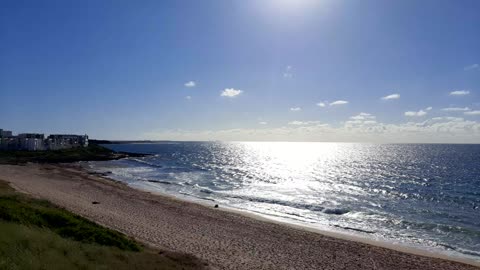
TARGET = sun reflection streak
x,y
283,162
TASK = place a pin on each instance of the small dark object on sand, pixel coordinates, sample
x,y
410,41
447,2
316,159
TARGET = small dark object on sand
x,y
94,202
216,206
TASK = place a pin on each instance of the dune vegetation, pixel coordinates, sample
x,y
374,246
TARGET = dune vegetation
x,y
36,234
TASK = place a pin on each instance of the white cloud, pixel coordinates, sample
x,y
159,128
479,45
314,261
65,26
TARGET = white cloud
x,y
447,118
305,123
459,93
188,97
392,96
456,109
190,84
295,109
474,66
362,116
472,113
360,120
419,113
326,103
339,102
288,72
230,92
262,123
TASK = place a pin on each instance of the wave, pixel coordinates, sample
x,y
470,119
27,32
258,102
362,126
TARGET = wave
x,y
461,250
305,206
336,211
206,190
164,169
144,162
354,229
440,228
195,196
468,252
161,182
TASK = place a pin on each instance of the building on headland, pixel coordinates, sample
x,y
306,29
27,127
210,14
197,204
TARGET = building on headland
x,y
7,140
38,142
61,141
5,133
31,141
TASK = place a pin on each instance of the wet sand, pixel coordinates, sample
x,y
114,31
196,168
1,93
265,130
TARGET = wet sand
x,y
224,239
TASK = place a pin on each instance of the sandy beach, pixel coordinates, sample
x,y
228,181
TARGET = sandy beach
x,y
223,239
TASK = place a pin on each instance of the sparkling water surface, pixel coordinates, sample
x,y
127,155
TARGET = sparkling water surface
x,y
423,195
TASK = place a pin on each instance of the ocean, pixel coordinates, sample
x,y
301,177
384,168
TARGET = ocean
x,y
420,195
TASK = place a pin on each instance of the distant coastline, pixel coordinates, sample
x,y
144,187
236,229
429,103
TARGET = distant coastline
x,y
106,142
99,142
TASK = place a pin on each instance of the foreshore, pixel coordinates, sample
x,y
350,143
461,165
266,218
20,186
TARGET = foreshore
x,y
224,239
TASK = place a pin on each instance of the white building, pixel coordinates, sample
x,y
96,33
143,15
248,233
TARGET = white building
x,y
37,141
32,144
6,140
5,133
31,141
63,141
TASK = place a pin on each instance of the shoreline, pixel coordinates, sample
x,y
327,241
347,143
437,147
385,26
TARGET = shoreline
x,y
72,179
356,238
335,234
397,246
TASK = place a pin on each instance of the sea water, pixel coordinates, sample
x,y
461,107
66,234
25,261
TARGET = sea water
x,y
422,195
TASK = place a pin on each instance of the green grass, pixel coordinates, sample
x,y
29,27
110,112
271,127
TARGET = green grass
x,y
34,234
27,211
23,247
90,153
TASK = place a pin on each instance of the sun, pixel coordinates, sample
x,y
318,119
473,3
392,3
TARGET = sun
x,y
293,4
288,8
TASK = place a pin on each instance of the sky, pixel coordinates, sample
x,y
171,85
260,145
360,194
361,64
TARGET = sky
x,y
275,70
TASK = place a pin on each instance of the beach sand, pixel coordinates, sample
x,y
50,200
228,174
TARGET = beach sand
x,y
223,239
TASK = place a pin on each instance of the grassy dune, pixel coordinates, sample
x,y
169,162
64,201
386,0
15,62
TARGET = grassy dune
x,y
38,235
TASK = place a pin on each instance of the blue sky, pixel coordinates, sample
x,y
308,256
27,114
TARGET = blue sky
x,y
157,69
